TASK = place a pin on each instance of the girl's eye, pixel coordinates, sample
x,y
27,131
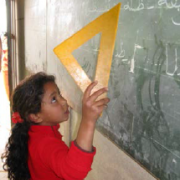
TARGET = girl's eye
x,y
54,100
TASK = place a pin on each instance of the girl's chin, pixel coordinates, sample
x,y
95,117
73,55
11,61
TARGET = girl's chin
x,y
65,119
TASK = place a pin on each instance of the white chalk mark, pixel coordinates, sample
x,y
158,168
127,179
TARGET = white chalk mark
x,y
122,52
167,62
130,8
124,60
132,128
151,7
96,49
174,22
166,148
174,161
132,65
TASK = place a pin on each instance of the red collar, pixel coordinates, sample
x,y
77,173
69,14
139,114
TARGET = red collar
x,y
44,129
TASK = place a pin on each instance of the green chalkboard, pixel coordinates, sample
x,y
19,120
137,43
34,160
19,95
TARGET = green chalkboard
x,y
144,86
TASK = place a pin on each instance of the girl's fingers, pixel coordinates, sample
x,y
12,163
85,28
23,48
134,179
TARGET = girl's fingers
x,y
89,89
102,102
101,108
96,94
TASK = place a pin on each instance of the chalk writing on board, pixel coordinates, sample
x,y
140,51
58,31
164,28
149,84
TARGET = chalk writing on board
x,y
130,8
141,5
160,4
137,47
169,5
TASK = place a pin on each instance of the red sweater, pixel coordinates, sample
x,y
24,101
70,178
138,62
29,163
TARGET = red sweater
x,y
50,159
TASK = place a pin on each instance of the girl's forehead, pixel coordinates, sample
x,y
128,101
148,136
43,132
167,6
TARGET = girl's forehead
x,y
50,87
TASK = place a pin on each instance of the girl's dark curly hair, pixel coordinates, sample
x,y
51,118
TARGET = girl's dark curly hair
x,y
26,99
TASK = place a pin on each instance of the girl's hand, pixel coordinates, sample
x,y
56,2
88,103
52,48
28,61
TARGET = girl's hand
x,y
92,109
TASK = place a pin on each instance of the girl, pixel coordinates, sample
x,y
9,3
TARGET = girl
x,y
35,150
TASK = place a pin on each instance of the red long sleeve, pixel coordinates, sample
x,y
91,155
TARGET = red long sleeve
x,y
50,158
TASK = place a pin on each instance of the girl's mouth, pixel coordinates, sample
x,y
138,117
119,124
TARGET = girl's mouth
x,y
67,112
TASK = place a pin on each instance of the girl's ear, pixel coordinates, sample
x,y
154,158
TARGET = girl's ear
x,y
35,118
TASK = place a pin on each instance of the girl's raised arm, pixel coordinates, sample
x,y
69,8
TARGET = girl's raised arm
x,y
91,110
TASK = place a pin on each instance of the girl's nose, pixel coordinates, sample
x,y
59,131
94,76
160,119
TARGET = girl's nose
x,y
63,101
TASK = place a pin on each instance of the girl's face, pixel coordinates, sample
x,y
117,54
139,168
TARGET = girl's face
x,y
54,108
